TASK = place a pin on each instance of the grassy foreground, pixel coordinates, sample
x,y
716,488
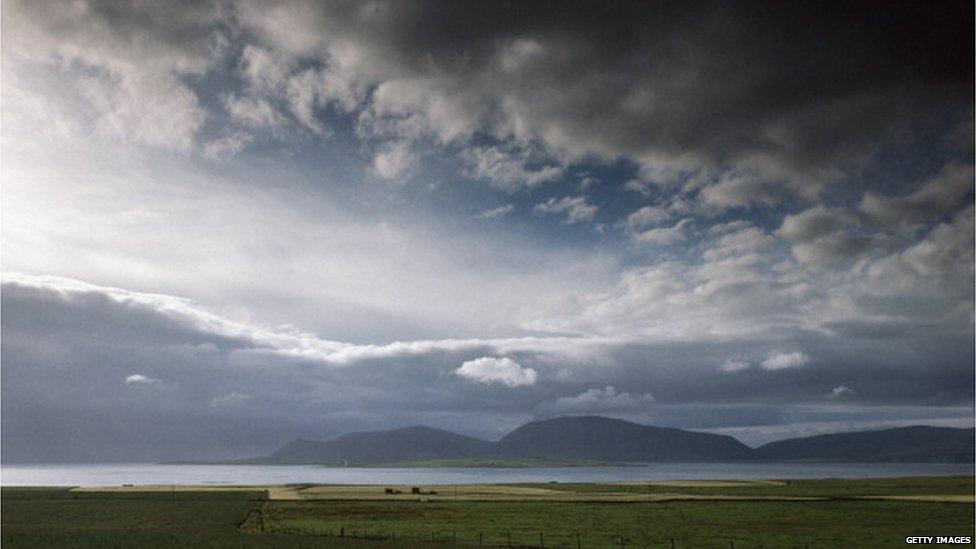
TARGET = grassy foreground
x,y
692,524
57,517
808,513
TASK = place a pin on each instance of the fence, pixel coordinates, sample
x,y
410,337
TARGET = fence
x,y
510,539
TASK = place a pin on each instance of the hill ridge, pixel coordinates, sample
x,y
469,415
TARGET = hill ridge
x,y
593,438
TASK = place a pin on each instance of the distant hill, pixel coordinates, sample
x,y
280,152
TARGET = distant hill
x,y
593,439
606,439
572,440
903,444
406,444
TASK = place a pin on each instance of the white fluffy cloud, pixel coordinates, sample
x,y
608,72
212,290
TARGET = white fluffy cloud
x,y
393,160
746,282
735,365
825,236
504,371
507,169
575,208
782,361
275,78
495,213
840,391
139,379
226,146
253,112
739,242
936,197
130,82
647,216
663,236
597,400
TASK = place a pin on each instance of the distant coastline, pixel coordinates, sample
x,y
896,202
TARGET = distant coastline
x,y
594,441
473,463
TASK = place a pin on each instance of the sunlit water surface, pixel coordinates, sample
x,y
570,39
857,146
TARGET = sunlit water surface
x,y
115,474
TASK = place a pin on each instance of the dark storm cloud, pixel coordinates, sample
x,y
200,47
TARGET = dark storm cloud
x,y
758,101
782,91
39,310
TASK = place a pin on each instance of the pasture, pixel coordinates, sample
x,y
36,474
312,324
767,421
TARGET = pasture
x,y
741,514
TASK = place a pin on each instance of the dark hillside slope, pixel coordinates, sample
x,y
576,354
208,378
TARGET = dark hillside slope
x,y
594,438
903,444
606,439
408,443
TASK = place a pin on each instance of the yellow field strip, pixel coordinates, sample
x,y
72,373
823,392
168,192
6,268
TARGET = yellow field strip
x,y
490,492
709,483
169,488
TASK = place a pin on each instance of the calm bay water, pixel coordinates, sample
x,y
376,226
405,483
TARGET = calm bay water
x,y
147,473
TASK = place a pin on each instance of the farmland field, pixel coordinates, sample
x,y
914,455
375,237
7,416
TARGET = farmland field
x,y
808,513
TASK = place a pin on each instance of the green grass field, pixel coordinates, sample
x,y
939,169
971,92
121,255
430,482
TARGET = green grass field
x,y
830,488
193,517
694,524
59,518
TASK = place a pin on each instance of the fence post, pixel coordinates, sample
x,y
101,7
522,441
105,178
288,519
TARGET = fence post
x,y
672,543
342,532
508,534
432,537
479,539
542,540
621,541
577,540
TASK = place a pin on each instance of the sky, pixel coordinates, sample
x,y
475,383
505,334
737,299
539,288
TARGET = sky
x,y
227,225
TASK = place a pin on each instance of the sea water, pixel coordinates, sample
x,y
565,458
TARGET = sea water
x,y
116,474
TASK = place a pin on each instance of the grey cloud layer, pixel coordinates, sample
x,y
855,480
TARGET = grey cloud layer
x,y
124,372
